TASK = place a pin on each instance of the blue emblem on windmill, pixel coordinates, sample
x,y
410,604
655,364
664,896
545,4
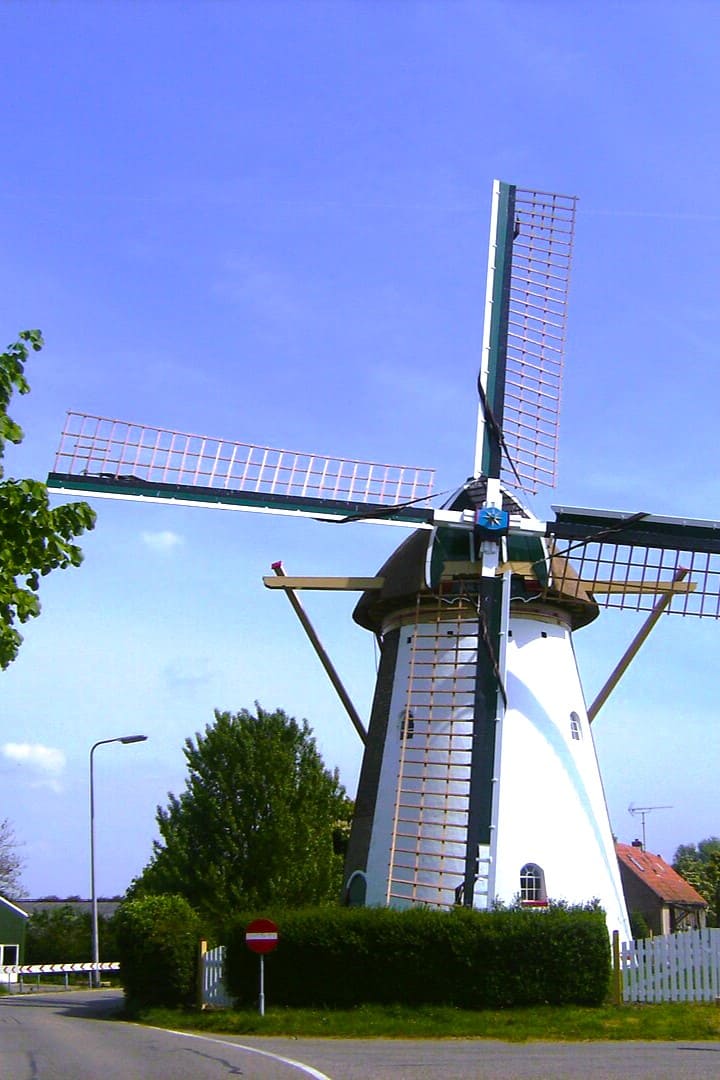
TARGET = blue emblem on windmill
x,y
492,520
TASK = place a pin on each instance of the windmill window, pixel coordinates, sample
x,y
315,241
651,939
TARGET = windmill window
x,y
356,889
407,725
532,886
575,728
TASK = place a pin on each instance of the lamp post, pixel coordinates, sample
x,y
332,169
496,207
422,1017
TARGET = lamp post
x,y
95,937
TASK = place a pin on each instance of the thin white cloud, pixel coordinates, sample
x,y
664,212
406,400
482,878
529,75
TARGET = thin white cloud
x,y
44,759
162,541
45,763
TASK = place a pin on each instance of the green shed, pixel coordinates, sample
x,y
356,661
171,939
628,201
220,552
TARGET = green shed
x,y
13,921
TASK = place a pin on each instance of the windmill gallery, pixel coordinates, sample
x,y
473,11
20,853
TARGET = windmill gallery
x,y
479,779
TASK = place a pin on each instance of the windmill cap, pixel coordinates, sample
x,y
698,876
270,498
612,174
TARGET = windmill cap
x,y
405,582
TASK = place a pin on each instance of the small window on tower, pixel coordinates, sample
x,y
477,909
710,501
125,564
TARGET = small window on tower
x,y
356,889
575,729
532,886
407,725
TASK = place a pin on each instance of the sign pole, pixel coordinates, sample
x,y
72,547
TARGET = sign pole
x,y
261,937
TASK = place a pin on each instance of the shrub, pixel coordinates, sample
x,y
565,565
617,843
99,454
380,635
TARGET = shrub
x,y
157,939
639,927
346,957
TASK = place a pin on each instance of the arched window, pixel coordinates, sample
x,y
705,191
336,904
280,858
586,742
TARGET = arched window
x,y
575,729
355,889
532,886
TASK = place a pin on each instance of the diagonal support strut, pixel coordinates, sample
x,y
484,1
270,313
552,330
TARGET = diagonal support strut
x,y
323,656
634,647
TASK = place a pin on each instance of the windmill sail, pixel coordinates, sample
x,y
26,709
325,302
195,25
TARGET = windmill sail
x,y
629,560
531,243
117,459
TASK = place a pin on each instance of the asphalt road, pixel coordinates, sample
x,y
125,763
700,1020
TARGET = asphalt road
x,y
72,1036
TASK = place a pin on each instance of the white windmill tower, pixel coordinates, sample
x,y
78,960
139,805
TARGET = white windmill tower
x,y
479,780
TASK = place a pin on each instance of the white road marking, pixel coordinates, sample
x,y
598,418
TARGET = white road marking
x,y
307,1069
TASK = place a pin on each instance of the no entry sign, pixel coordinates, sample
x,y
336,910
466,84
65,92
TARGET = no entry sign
x,y
261,935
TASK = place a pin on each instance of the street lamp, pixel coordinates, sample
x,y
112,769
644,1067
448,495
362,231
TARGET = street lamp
x,y
95,937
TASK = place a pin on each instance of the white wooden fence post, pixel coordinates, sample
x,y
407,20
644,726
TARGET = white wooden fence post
x,y
616,972
200,985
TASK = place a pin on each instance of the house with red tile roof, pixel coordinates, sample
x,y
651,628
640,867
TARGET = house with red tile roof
x,y
652,888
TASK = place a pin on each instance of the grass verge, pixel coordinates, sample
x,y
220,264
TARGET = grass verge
x,y
672,1022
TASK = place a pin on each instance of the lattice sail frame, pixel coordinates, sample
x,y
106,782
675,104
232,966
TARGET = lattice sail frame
x,y
634,561
528,278
537,320
115,450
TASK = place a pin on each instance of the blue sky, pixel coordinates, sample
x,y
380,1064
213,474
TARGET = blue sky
x,y
268,222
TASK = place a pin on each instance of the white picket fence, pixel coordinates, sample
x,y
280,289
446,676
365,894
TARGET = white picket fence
x,y
213,988
675,967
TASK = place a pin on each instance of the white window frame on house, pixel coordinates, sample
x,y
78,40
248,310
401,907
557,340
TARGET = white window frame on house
x,y
532,886
12,960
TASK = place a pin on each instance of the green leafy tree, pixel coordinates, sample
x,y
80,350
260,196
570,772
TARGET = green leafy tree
x,y
261,821
34,539
64,934
700,865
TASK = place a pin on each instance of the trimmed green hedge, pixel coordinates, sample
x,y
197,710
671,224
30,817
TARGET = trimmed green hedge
x,y
345,957
157,940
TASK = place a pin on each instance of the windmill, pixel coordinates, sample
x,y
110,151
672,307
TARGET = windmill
x,y
479,779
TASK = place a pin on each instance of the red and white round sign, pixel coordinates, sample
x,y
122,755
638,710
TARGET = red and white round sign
x,y
261,935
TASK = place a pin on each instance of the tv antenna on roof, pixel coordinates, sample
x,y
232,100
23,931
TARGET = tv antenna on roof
x,y
642,812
